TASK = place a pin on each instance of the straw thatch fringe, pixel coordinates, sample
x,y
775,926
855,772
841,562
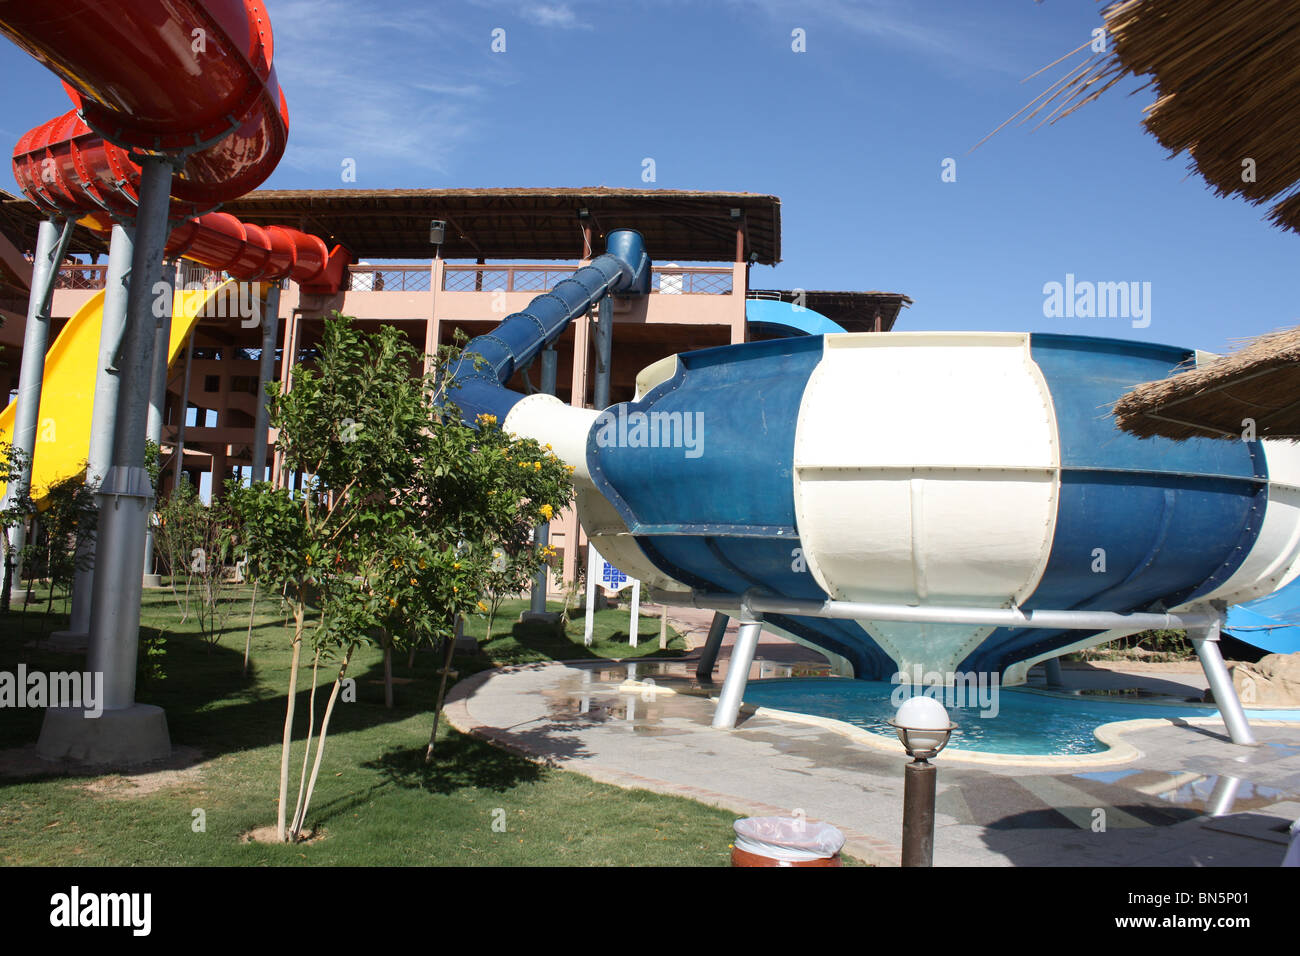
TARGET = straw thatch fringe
x,y
1253,391
1227,78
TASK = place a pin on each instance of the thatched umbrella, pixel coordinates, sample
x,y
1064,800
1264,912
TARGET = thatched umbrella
x,y
1254,392
1227,78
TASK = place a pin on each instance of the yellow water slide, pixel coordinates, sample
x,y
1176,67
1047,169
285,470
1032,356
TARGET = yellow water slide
x,y
68,393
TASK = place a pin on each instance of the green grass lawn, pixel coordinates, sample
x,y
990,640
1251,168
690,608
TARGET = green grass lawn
x,y
376,803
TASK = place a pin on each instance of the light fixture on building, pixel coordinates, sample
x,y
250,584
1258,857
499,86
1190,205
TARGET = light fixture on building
x,y
735,213
584,213
437,233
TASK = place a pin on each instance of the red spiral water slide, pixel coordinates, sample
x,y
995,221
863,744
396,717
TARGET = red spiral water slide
x,y
192,80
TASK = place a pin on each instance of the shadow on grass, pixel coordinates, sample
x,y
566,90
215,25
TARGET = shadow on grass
x,y
460,761
213,706
531,641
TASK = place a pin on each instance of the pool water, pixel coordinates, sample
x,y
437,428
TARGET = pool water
x,y
1026,722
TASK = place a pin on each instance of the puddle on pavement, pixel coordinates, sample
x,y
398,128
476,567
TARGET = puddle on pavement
x,y
592,695
1206,793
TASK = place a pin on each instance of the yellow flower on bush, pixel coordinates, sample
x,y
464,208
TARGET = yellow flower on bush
x,y
421,564
486,419
482,607
392,602
309,559
537,466
547,511
456,565
413,581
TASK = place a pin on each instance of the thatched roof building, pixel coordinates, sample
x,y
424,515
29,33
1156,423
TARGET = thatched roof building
x,y
1255,390
1227,78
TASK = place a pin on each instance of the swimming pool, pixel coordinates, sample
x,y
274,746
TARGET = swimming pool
x,y
1027,722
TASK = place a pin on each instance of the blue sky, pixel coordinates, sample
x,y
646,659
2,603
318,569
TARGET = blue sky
x,y
850,134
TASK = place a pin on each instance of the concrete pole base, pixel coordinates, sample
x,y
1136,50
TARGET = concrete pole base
x,y
120,738
152,581
546,617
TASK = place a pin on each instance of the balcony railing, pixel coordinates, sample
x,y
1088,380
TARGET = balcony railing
x,y
92,277
521,278
389,278
692,280
674,280
80,277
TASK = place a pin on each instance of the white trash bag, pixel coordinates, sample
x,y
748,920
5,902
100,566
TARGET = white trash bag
x,y
787,839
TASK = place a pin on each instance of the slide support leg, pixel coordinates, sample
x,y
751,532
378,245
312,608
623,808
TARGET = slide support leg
x,y
742,656
712,644
1206,642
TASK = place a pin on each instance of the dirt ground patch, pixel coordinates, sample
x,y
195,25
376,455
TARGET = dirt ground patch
x,y
266,834
121,787
182,767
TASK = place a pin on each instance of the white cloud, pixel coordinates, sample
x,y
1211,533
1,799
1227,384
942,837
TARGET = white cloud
x,y
395,89
939,35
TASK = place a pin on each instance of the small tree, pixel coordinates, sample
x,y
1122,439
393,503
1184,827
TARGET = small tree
x,y
14,512
391,533
354,424
179,538
68,525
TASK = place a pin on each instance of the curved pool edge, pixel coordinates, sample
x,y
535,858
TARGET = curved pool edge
x,y
1110,734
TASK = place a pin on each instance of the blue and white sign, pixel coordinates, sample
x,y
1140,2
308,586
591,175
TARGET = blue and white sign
x,y
603,574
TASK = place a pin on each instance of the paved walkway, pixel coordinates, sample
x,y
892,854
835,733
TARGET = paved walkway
x,y
1154,808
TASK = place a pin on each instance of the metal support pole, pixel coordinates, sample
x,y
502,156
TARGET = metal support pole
x,y
537,604
126,494
1206,642
712,644
162,308
589,625
604,350
103,415
52,238
634,622
265,368
742,656
919,781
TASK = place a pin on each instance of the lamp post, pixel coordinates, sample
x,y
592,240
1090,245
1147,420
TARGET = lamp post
x,y
924,729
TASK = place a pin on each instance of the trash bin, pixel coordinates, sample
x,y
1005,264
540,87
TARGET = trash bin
x,y
785,841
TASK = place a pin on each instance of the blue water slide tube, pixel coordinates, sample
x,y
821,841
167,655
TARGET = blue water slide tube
x,y
479,376
1271,623
785,319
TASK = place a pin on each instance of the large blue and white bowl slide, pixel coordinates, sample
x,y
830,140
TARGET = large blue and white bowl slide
x,y
967,469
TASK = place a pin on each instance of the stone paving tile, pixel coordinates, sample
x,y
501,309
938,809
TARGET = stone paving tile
x,y
1027,816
